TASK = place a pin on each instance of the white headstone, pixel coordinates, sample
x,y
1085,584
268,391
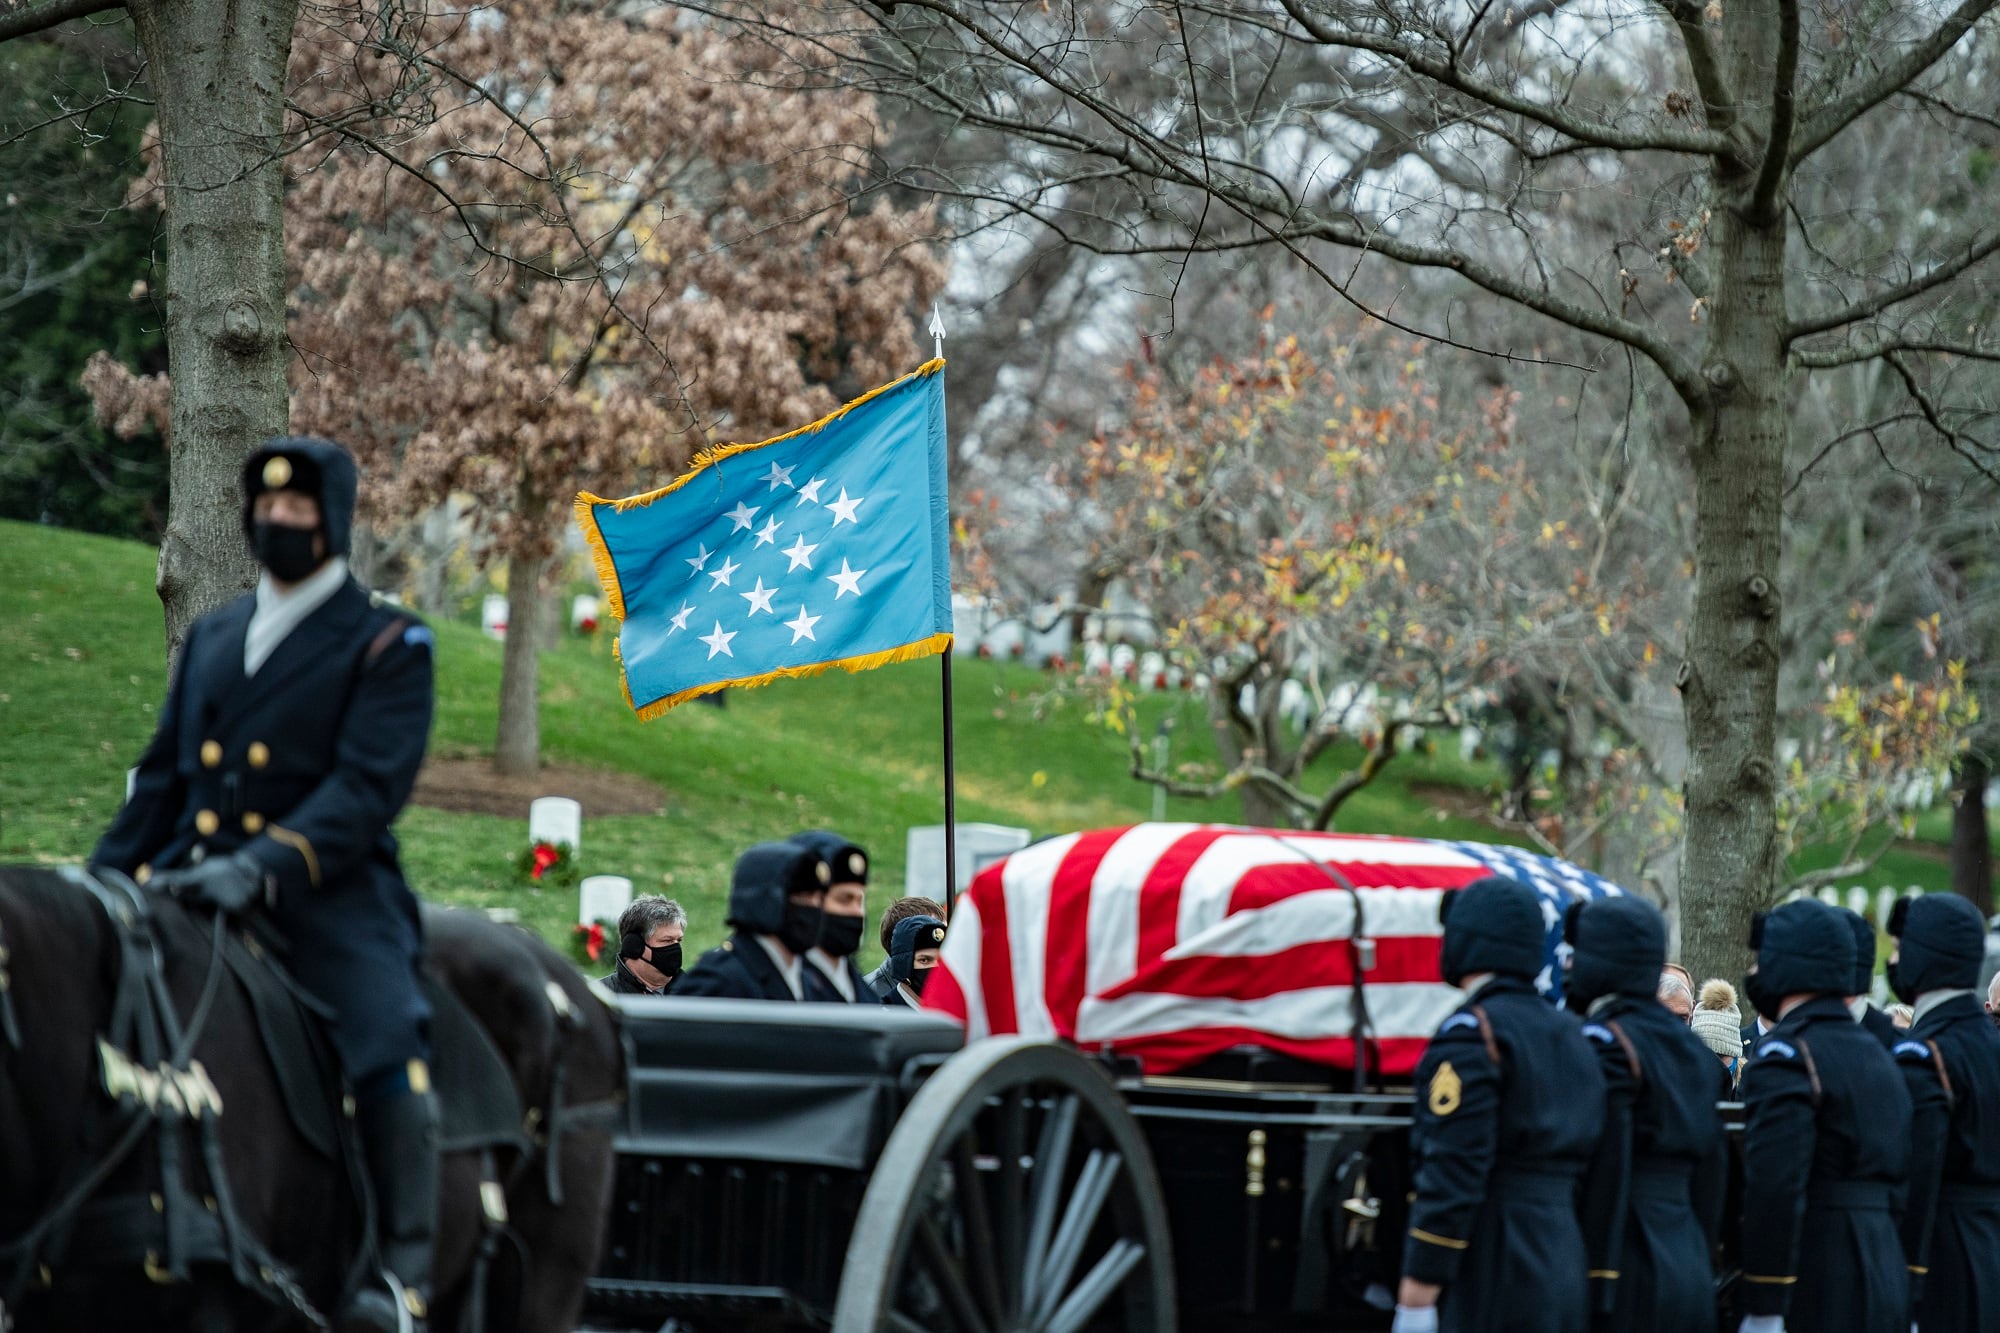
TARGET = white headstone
x,y
979,846
131,781
1857,900
556,820
583,613
493,616
602,898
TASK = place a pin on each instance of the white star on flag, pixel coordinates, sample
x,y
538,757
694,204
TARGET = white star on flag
x,y
848,580
843,508
699,560
759,598
768,534
778,476
801,553
809,493
741,516
721,576
802,628
718,642
681,619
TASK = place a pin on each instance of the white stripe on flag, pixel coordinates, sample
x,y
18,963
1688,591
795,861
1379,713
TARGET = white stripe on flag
x,y
1212,879
1308,918
962,954
1395,1010
1112,955
1025,877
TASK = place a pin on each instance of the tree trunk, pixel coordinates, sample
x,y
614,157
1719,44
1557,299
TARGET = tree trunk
x,y
1971,842
1729,681
517,749
217,77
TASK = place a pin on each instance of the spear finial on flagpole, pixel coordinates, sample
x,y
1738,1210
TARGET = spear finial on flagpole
x,y
937,330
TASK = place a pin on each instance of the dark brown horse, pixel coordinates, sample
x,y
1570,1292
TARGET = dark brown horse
x,y
63,1139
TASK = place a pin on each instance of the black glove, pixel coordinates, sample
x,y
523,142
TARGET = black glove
x,y
231,884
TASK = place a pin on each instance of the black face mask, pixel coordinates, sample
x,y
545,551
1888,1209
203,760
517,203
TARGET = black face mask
x,y
1902,989
665,959
918,976
286,551
802,926
840,935
1760,997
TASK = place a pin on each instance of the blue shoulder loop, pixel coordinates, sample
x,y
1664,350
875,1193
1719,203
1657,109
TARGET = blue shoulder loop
x,y
420,636
1458,1021
1772,1046
1912,1050
1598,1032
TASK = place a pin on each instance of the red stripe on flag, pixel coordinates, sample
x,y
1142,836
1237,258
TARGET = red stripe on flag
x,y
1412,958
1067,950
1160,898
996,958
1260,886
942,994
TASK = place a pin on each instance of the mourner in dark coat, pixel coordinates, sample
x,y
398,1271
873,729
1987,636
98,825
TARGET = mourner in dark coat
x,y
775,897
831,975
1940,946
289,741
1509,1107
650,931
913,950
1653,1198
1826,1147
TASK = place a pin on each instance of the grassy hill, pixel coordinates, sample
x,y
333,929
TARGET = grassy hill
x,y
82,675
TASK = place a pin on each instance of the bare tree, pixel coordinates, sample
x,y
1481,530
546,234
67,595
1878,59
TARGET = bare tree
x,y
1447,142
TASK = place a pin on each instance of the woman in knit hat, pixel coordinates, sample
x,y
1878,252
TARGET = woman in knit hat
x,y
1718,1022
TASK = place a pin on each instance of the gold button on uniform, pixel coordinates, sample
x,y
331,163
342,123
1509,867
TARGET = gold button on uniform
x,y
259,754
206,823
253,822
211,753
277,472
142,874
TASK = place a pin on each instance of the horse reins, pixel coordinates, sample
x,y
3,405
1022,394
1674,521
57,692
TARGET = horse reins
x,y
156,1031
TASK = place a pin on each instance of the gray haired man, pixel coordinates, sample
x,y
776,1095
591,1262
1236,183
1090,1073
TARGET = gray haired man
x,y
650,930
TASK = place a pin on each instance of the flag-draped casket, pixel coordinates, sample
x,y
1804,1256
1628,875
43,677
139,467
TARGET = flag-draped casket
x,y
1173,942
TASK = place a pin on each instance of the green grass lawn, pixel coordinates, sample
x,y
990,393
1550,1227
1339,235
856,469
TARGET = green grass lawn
x,y
82,674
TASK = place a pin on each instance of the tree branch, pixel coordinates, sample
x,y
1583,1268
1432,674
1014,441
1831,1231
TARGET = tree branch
x,y
1934,418
1829,358
1870,306
18,21
1449,74
1838,113
1718,98
1372,763
1765,207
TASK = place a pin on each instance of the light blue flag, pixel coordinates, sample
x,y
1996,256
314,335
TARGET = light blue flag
x,y
824,547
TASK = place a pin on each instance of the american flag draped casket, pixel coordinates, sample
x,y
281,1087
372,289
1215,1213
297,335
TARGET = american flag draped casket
x,y
1174,942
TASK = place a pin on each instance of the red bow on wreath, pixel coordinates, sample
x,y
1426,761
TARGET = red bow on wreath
x,y
545,856
593,939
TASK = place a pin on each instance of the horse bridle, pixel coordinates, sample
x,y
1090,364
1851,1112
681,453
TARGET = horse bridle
x,y
162,1042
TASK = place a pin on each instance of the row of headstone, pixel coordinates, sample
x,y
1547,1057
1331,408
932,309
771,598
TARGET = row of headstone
x,y
584,614
558,821
1875,904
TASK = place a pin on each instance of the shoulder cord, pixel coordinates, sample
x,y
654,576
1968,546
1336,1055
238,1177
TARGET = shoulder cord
x,y
1631,1055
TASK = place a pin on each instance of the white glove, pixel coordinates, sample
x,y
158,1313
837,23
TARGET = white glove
x,y
1762,1323
1415,1319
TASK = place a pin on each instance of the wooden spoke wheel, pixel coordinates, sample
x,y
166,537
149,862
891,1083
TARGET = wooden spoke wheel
x,y
1016,1195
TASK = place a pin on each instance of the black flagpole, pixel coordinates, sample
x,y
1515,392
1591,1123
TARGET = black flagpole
x,y
936,331
950,798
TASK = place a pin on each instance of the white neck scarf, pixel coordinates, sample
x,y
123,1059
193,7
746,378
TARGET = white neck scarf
x,y
279,612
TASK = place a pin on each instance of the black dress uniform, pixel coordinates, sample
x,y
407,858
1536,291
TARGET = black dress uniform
x,y
281,785
775,890
1509,1107
1878,1024
1826,1148
1653,1198
840,933
911,935
1941,947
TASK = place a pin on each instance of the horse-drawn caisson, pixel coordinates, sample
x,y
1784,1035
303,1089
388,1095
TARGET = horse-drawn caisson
x,y
1157,1088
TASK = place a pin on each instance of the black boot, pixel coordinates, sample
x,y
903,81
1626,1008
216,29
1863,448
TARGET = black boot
x,y
399,1138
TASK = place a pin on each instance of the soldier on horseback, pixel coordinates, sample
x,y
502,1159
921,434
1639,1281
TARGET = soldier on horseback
x,y
288,743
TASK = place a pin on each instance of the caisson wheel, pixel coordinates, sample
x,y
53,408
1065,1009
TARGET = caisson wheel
x,y
1016,1195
